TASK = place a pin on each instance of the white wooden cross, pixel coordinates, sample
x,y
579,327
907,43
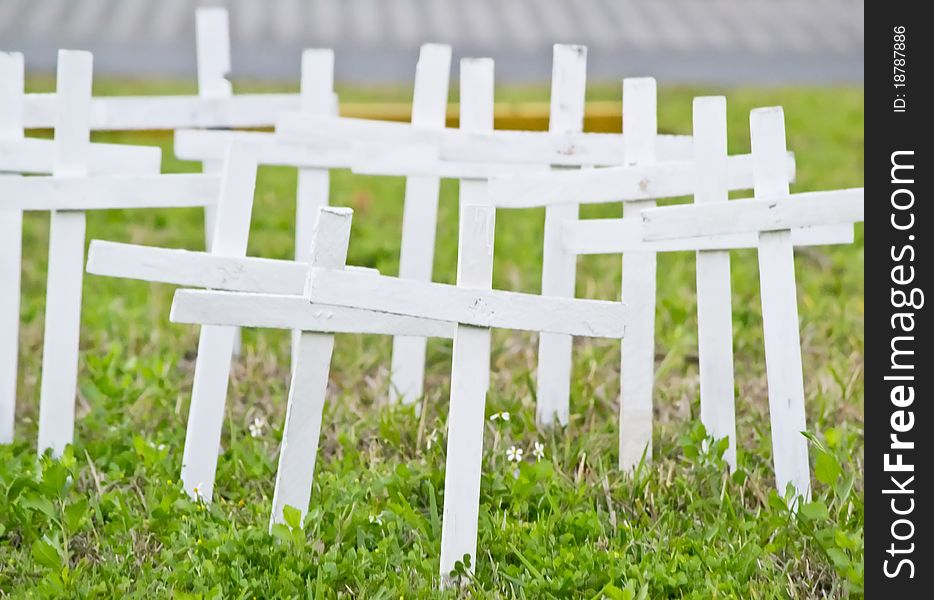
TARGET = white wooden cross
x,y
638,183
772,216
383,148
19,154
602,236
313,163
68,193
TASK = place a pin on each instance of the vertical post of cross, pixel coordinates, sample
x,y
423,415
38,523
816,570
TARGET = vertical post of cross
x,y
470,369
780,310
420,217
212,49
317,98
328,249
216,343
66,257
11,246
714,306
637,368
568,86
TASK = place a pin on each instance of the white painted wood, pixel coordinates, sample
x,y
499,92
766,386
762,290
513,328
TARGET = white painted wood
x,y
80,192
615,236
470,361
459,146
780,313
470,380
11,245
420,217
66,257
311,364
125,113
807,209
200,269
559,267
714,301
295,311
34,155
212,36
637,368
313,183
640,181
479,308
570,149
211,144
423,159
216,344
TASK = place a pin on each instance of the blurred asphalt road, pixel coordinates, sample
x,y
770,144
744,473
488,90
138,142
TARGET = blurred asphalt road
x,y
376,41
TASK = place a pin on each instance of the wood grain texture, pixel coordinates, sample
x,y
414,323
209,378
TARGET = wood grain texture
x,y
780,314
420,217
637,368
66,259
216,344
559,267
714,299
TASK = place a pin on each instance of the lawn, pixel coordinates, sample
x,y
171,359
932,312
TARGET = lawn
x,y
109,519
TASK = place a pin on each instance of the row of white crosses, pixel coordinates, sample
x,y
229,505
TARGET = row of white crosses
x,y
316,296
84,177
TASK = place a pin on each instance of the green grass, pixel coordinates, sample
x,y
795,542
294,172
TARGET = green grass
x,y
110,520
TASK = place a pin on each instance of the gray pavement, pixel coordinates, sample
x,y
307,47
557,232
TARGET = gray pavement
x,y
677,41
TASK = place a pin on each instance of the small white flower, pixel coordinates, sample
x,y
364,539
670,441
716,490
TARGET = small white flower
x,y
376,519
500,415
257,426
538,451
432,438
514,454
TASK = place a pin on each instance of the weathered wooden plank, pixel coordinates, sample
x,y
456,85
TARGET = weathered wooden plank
x,y
12,80
211,144
420,217
294,311
66,258
470,361
714,299
637,367
200,269
479,308
34,155
616,236
313,190
559,267
778,290
216,344
807,209
666,179
71,193
308,389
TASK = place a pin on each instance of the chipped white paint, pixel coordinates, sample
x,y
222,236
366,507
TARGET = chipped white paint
x,y
200,269
470,360
478,308
559,267
420,217
667,179
714,301
615,236
741,217
637,367
63,192
11,244
216,344
66,257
